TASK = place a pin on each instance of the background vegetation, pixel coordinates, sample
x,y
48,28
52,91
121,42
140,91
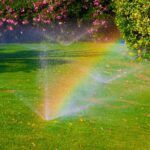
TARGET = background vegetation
x,y
132,17
133,20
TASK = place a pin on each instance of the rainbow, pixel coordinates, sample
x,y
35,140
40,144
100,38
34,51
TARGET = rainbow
x,y
60,92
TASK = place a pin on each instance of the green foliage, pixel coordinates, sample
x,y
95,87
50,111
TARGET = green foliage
x,y
133,19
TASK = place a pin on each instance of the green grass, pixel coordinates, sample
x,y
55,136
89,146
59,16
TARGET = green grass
x,y
119,118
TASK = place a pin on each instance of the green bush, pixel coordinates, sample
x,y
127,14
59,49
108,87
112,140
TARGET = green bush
x,y
133,20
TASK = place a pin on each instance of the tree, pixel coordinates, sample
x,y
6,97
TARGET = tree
x,y
133,20
41,12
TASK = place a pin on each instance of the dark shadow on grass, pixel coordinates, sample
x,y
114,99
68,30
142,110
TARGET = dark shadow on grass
x,y
29,60
27,65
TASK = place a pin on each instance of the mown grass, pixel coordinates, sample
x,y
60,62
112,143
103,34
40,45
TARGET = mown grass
x,y
119,118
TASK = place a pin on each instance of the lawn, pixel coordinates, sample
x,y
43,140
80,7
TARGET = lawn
x,y
115,87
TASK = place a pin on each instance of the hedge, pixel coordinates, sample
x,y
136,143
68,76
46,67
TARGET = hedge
x,y
133,20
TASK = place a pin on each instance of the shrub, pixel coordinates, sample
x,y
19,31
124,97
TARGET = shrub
x,y
133,20
15,16
14,12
